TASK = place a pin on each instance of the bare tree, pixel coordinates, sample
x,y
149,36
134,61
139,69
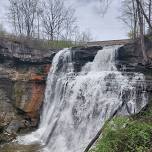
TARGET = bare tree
x,y
34,18
53,18
29,8
83,37
148,7
141,6
23,14
129,16
15,16
39,12
69,25
141,25
141,14
104,5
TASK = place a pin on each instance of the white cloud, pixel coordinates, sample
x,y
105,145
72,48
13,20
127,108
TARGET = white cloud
x,y
89,18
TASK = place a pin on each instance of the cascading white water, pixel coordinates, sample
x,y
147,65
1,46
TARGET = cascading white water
x,y
77,104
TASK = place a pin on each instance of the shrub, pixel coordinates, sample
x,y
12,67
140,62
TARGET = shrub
x,y
125,135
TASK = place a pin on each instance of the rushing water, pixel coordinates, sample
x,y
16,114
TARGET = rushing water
x,y
77,104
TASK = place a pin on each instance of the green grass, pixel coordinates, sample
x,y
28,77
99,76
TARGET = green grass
x,y
55,44
127,134
40,44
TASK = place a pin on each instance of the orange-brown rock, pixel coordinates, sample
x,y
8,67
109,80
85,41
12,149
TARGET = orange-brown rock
x,y
28,92
35,77
23,73
47,68
33,105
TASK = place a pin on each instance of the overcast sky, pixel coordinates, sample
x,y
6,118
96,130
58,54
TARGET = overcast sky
x,y
90,19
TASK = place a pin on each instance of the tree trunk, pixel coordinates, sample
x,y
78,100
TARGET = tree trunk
x,y
139,4
38,28
141,25
150,12
135,20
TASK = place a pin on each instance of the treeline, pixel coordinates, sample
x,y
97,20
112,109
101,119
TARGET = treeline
x,y
137,14
50,20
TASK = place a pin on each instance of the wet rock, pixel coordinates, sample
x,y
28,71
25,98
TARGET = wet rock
x,y
13,127
16,52
23,73
5,137
130,57
83,55
28,96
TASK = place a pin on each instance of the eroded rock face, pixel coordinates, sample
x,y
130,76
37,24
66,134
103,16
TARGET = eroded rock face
x,y
21,98
16,52
83,55
23,74
130,57
23,91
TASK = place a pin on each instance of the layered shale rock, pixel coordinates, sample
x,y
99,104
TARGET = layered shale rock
x,y
23,73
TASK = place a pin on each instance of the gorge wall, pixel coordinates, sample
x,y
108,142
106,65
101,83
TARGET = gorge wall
x,y
23,73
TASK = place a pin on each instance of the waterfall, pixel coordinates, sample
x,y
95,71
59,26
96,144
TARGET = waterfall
x,y
77,104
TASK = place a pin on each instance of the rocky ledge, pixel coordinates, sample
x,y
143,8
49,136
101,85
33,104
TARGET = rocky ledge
x,y
20,52
130,58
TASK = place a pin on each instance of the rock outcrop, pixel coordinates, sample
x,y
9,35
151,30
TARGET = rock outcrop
x,y
130,58
23,73
17,52
82,55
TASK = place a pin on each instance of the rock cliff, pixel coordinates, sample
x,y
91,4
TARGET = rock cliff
x,y
23,73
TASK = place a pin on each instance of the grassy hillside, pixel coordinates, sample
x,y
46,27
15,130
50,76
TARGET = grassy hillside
x,y
127,134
